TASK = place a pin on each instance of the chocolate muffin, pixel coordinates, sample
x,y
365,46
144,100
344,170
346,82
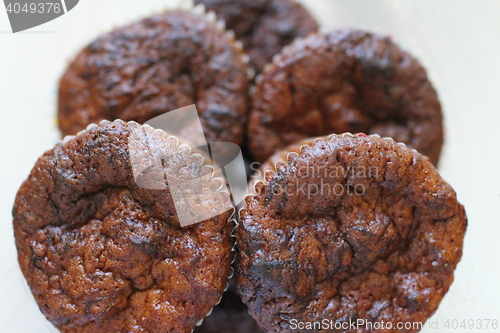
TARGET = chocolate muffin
x,y
157,65
345,81
263,26
102,254
230,315
349,229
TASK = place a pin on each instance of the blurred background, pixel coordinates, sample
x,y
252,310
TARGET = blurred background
x,y
457,41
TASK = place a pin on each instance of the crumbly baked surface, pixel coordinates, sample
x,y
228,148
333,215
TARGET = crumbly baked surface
x,y
154,66
263,26
348,228
345,81
101,254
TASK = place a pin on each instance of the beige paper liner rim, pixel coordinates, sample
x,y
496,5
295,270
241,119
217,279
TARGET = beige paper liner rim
x,y
282,157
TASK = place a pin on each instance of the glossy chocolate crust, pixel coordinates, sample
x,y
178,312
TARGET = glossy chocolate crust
x,y
315,246
263,26
154,66
345,81
101,254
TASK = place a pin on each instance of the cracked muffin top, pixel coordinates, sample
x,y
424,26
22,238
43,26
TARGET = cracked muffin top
x,y
263,26
102,254
157,65
344,81
346,228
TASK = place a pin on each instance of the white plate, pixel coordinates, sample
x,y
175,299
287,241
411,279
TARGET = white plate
x,y
457,41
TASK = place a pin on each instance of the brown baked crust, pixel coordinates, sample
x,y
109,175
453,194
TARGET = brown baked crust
x,y
385,253
101,254
230,315
263,26
345,81
154,66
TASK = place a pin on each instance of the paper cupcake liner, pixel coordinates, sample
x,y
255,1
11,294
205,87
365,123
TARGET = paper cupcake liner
x,y
204,161
282,157
232,219
211,17
198,157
